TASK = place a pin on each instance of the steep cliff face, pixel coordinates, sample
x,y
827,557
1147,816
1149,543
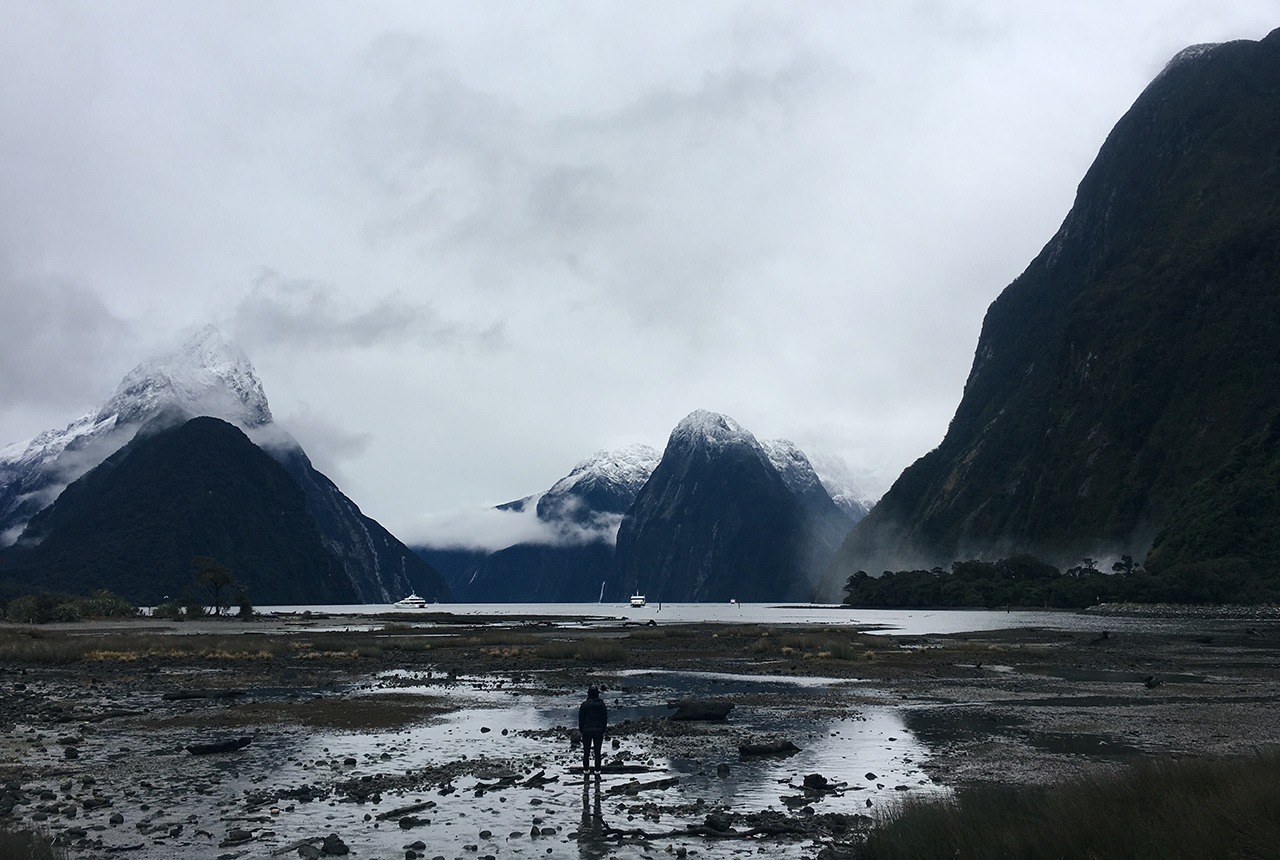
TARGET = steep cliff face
x,y
181,489
380,567
1135,354
718,521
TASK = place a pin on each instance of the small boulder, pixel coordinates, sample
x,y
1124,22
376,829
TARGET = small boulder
x,y
334,846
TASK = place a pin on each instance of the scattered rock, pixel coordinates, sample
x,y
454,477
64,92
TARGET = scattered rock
x,y
235,836
767,748
334,846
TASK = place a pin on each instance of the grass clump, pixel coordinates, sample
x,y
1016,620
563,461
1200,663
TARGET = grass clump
x,y
27,845
500,638
589,650
41,648
1159,810
643,634
835,644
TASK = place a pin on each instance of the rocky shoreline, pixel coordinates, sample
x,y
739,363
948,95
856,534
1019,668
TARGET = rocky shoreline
x,y
420,739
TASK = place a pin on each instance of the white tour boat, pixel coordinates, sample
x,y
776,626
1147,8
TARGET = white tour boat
x,y
637,600
413,601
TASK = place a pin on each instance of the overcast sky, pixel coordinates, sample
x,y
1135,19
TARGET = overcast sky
x,y
467,244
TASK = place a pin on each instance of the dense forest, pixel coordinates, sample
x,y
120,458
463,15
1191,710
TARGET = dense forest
x,y
1027,581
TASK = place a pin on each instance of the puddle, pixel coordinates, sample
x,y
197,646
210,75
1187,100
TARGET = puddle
x,y
1091,745
201,799
1107,676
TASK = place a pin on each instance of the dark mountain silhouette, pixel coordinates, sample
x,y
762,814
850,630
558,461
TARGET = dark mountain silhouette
x,y
208,375
718,521
1125,389
181,489
380,567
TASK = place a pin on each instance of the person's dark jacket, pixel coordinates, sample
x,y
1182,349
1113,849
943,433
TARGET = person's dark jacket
x,y
593,716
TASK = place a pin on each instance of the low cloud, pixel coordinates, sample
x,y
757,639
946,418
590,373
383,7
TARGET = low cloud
x,y
58,343
304,313
492,529
327,444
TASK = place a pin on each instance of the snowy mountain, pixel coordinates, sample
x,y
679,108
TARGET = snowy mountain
x,y
848,490
577,520
599,490
724,517
207,376
718,514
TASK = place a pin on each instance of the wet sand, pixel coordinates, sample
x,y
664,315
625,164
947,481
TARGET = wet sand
x,y
467,723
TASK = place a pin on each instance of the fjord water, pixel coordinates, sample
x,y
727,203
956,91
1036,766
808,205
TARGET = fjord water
x,y
900,622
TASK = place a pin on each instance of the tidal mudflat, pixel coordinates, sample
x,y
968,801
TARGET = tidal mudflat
x,y
453,737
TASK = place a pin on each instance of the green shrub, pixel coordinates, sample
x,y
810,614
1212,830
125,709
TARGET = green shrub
x,y
192,607
104,604
170,610
25,610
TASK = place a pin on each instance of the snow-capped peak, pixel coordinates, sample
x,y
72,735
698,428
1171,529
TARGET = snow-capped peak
x,y
792,464
1187,55
626,468
208,375
712,429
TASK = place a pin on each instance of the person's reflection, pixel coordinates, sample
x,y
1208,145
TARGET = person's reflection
x,y
591,841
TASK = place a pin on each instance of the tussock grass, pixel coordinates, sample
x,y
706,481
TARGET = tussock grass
x,y
590,650
27,845
35,647
1161,810
500,638
643,634
832,644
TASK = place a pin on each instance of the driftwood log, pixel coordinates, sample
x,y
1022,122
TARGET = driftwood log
x,y
635,787
700,709
184,695
767,748
220,747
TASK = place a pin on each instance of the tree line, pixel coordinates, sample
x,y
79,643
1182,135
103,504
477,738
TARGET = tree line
x,y
1026,581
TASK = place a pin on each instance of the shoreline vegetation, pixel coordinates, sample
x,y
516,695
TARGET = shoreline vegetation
x,y
1025,581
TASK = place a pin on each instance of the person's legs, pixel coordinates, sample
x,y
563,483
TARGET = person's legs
x,y
597,744
586,753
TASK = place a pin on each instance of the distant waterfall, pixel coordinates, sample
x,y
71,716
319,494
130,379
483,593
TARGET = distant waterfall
x,y
601,600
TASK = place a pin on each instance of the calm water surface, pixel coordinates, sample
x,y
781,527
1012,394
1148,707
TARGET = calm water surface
x,y
907,622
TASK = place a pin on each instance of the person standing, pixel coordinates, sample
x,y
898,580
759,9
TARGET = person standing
x,y
593,719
